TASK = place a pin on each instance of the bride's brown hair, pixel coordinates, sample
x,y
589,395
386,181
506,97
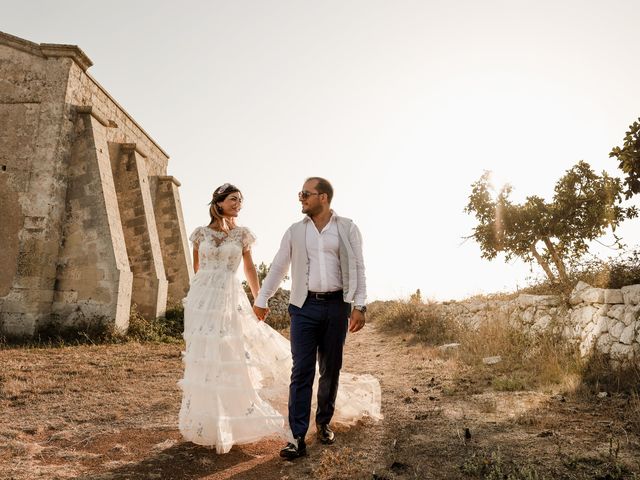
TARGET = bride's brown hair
x,y
215,211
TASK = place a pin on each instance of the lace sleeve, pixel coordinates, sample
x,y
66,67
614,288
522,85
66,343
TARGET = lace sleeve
x,y
248,239
196,237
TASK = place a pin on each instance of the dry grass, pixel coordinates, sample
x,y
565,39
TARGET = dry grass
x,y
420,319
527,361
540,361
54,402
109,412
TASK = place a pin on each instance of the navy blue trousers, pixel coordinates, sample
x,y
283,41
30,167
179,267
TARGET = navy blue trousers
x,y
318,330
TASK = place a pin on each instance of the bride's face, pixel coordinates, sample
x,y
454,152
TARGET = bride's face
x,y
231,205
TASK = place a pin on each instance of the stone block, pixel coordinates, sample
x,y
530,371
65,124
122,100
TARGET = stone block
x,y
604,343
527,300
628,335
631,314
575,297
526,317
592,295
601,325
583,315
586,345
616,311
613,295
620,351
541,324
616,330
631,294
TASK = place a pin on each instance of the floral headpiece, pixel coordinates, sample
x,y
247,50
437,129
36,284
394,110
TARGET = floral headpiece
x,y
222,188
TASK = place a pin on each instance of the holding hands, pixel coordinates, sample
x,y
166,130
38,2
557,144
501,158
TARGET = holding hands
x,y
261,313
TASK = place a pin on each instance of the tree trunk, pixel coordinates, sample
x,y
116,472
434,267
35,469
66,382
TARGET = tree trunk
x,y
562,272
543,263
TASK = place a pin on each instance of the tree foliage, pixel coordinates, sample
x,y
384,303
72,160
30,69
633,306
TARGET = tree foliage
x,y
555,234
629,159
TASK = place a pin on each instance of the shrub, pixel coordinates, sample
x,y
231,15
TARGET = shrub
x,y
614,272
167,329
423,320
98,330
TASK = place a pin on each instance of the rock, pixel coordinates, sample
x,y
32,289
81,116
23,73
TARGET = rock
x,y
603,394
592,295
631,314
583,315
616,311
601,325
467,434
616,330
492,360
527,316
475,307
449,346
631,294
586,345
613,295
575,297
628,334
620,351
526,300
604,343
541,324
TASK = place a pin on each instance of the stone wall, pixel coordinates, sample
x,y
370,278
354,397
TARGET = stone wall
x,y
91,219
607,320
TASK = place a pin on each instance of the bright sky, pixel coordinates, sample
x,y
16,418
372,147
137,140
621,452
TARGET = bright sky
x,y
401,104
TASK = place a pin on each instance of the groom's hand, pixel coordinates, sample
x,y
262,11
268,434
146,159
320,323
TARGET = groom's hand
x,y
356,322
261,313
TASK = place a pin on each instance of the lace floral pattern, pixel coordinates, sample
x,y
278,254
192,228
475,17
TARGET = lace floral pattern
x,y
236,368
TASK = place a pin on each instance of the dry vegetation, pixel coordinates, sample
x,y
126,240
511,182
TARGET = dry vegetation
x,y
109,411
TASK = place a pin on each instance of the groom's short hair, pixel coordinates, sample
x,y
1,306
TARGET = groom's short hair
x,y
323,186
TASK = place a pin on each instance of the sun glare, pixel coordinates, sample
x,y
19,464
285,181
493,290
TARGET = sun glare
x,y
498,182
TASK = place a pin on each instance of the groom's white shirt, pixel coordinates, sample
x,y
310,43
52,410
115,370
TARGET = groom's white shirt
x,y
325,269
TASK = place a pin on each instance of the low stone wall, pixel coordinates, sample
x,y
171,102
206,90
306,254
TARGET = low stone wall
x,y
278,308
605,319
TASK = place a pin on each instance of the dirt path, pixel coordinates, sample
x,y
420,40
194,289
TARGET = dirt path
x,y
109,412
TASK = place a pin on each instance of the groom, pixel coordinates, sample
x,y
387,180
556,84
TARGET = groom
x,y
327,277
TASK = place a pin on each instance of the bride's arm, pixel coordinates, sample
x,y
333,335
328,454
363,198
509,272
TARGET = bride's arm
x,y
196,259
250,273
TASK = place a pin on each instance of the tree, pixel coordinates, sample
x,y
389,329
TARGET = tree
x,y
262,271
556,233
629,159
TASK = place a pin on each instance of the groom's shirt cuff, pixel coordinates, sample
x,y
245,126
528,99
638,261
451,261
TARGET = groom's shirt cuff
x,y
260,302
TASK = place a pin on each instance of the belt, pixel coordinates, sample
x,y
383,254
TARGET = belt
x,y
338,294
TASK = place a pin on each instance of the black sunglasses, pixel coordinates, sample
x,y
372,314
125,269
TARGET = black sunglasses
x,y
304,194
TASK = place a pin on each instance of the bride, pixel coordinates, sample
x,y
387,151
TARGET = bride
x,y
236,367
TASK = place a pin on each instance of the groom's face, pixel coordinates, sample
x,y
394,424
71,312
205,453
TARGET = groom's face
x,y
311,205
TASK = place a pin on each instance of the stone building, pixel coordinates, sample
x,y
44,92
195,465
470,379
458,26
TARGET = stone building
x,y
91,223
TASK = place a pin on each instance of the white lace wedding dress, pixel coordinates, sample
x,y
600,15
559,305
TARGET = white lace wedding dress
x,y
237,368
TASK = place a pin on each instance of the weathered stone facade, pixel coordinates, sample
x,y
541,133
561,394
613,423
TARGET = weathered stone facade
x,y
606,320
91,220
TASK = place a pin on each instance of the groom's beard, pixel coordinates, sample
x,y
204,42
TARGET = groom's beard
x,y
312,211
